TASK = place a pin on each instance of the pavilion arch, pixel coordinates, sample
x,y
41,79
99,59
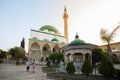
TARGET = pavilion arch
x,y
87,56
77,57
46,50
68,57
35,51
56,48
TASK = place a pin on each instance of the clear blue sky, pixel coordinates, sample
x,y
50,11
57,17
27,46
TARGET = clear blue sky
x,y
86,17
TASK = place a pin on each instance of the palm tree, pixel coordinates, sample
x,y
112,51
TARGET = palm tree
x,y
108,37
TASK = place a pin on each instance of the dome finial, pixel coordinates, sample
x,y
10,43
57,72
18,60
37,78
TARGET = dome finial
x,y
77,36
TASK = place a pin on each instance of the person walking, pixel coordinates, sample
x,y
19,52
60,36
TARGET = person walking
x,y
27,66
33,65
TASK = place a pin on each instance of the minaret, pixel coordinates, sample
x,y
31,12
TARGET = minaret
x,y
65,17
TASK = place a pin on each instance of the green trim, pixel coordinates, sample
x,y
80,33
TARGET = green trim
x,y
46,41
47,33
35,39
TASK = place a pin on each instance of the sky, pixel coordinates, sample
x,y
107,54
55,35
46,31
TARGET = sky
x,y
86,17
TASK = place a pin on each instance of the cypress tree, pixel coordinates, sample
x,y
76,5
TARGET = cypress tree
x,y
87,67
70,68
106,67
23,43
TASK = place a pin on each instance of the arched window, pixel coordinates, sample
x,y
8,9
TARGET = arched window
x,y
56,48
46,50
35,51
87,56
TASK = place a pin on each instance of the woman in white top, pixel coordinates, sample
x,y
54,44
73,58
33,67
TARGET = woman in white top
x,y
27,66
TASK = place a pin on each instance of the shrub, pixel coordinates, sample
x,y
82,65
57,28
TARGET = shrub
x,y
56,56
87,67
118,73
106,67
70,68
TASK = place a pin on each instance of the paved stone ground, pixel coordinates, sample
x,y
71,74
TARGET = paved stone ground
x,y
13,72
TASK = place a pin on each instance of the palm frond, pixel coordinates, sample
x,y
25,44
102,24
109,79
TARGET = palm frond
x,y
113,33
104,35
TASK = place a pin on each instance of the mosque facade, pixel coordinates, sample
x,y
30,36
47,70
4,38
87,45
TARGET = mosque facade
x,y
47,40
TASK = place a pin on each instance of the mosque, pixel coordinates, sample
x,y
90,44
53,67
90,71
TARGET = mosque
x,y
48,39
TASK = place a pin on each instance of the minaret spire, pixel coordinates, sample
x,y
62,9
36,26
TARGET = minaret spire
x,y
65,17
65,9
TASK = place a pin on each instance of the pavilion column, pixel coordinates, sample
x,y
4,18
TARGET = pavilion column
x,y
70,58
83,57
65,57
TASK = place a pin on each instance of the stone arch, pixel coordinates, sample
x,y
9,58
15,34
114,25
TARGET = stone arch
x,y
35,51
56,48
46,50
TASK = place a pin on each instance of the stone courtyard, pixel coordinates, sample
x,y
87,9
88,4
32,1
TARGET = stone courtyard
x,y
18,72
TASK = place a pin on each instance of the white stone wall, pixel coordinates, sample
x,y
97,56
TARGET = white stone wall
x,y
48,36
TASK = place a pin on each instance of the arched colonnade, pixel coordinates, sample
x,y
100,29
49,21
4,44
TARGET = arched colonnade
x,y
41,50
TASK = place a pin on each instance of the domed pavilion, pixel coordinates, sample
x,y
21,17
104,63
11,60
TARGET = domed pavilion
x,y
77,51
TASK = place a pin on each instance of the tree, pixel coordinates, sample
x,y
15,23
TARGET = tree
x,y
106,67
3,54
17,53
56,57
97,55
12,52
87,67
70,68
108,37
23,43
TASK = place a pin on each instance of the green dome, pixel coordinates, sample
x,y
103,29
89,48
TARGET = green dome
x,y
54,40
49,28
35,38
46,40
77,41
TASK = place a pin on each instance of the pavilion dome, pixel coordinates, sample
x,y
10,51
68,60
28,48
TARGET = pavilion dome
x,y
77,41
49,28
